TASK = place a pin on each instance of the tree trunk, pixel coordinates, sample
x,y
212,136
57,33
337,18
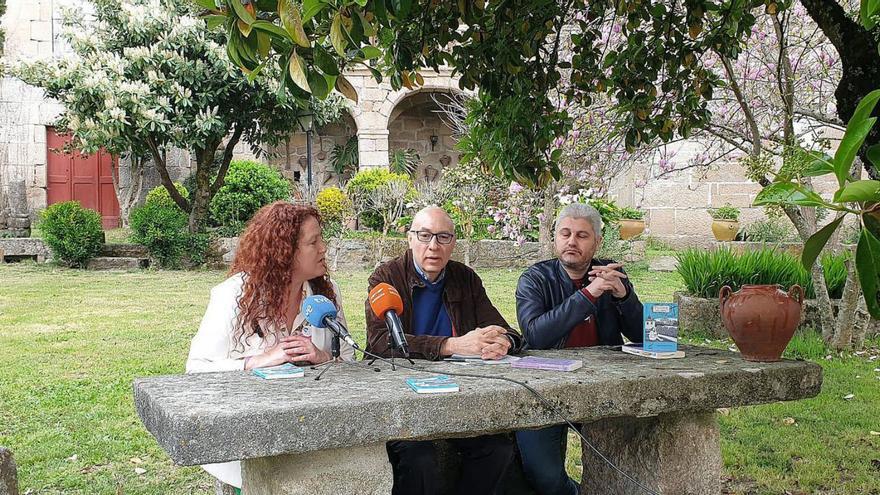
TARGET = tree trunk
x,y
545,226
860,325
861,64
846,313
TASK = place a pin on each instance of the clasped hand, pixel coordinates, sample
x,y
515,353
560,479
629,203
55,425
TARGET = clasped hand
x,y
488,342
606,279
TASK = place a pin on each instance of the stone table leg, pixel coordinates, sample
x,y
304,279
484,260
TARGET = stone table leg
x,y
670,454
352,470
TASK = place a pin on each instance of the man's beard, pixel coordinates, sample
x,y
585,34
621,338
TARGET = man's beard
x,y
576,266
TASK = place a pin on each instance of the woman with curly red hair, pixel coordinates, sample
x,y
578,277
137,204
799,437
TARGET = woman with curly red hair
x,y
253,318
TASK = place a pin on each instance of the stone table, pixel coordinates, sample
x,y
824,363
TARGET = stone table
x,y
654,419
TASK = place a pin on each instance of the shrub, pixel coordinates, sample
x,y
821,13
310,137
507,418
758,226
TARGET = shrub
x,y
248,186
333,205
726,212
164,232
73,233
608,210
159,196
770,230
629,213
705,272
360,187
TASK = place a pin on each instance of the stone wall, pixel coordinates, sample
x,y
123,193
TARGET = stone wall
x,y
677,204
413,124
291,157
367,254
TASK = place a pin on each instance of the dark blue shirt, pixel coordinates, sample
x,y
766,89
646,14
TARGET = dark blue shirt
x,y
429,314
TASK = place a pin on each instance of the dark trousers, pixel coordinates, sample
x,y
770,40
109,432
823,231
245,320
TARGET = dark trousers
x,y
543,460
484,461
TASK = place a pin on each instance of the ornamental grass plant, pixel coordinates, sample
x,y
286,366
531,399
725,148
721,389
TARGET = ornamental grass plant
x,y
705,272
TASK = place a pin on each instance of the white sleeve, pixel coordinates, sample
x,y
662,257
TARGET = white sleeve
x,y
210,347
346,351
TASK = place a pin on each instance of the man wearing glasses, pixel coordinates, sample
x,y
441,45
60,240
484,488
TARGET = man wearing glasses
x,y
445,311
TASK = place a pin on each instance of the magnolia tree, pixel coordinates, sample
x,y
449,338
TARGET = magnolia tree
x,y
148,76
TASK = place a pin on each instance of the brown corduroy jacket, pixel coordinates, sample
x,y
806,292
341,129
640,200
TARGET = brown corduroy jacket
x,y
464,297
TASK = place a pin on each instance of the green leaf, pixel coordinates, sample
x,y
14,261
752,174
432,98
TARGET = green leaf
x,y
819,167
846,152
292,22
368,27
324,61
337,38
241,12
857,191
270,28
318,84
297,71
375,72
401,7
869,9
206,4
865,107
311,9
871,220
788,193
814,245
874,153
213,21
867,254
370,52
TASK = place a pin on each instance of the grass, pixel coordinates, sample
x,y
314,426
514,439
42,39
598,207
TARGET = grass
x,y
71,342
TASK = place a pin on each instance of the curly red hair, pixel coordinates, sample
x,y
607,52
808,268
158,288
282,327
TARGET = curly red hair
x,y
265,255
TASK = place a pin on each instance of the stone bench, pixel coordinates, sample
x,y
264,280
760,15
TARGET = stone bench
x,y
654,419
8,473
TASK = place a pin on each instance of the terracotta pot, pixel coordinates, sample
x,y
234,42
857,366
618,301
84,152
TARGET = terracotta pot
x,y
631,228
725,230
761,319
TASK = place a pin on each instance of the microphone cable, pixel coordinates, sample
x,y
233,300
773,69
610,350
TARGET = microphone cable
x,y
546,402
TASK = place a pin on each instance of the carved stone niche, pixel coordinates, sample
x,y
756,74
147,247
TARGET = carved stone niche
x,y
18,222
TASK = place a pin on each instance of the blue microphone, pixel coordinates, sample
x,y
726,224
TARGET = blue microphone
x,y
320,312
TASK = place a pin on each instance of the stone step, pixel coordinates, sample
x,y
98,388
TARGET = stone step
x,y
124,251
117,263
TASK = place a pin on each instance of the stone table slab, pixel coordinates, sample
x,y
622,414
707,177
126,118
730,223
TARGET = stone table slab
x,y
217,417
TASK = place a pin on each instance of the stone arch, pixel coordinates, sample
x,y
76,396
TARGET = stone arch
x,y
290,157
414,123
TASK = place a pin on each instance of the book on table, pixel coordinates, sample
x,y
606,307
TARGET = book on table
x,y
440,384
550,364
476,359
279,372
660,331
639,350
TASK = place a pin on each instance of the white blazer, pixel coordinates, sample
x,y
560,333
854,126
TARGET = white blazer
x,y
213,349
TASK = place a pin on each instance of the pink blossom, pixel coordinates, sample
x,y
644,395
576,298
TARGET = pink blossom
x,y
515,188
641,183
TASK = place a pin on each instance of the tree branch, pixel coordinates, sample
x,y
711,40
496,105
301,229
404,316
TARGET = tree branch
x,y
747,111
227,157
162,167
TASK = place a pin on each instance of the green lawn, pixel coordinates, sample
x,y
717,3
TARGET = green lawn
x,y
72,341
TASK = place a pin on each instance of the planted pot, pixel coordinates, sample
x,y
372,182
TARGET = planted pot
x,y
630,228
761,319
725,230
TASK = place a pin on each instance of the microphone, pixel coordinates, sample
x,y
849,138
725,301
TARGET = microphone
x,y
321,312
386,303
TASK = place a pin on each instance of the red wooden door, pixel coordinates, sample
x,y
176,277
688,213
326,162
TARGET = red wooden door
x,y
83,178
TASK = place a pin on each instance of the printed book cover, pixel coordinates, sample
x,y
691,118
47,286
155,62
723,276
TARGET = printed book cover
x,y
552,364
285,370
661,327
441,384
639,350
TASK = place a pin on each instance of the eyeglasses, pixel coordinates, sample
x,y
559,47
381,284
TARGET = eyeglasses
x,y
426,237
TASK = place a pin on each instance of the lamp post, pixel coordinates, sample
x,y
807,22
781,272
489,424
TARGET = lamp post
x,y
306,121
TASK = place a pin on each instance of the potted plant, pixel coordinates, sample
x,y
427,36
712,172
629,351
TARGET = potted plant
x,y
725,222
632,222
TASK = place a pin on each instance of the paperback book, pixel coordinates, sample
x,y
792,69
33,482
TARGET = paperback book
x,y
440,384
661,327
281,371
639,350
468,359
552,364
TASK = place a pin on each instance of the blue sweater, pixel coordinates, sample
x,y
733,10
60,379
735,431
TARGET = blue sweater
x,y
429,314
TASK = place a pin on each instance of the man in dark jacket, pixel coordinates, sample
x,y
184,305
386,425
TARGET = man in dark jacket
x,y
445,311
574,300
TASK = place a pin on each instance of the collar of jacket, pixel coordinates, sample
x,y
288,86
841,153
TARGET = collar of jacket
x,y
454,277
566,279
